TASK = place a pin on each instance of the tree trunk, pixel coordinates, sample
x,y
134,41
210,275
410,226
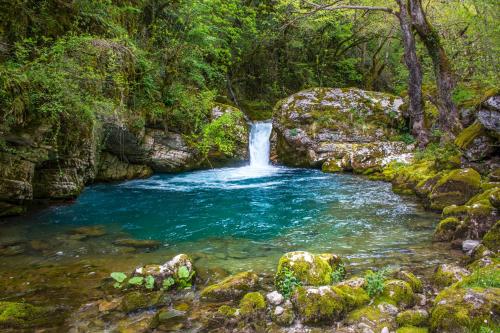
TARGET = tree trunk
x,y
415,76
448,113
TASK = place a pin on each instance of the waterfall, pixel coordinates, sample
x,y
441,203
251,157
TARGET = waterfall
x,y
259,144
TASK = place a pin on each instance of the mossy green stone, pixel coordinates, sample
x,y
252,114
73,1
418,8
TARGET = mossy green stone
x,y
353,297
455,187
318,305
397,292
22,315
252,303
412,318
227,311
231,288
468,135
412,329
446,228
310,269
414,282
492,238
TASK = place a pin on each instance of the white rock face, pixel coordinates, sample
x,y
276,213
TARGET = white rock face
x,y
350,128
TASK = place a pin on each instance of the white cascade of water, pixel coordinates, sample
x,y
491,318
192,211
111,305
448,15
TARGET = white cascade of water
x,y
259,144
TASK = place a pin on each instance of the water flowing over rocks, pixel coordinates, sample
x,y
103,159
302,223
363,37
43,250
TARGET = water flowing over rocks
x,y
341,129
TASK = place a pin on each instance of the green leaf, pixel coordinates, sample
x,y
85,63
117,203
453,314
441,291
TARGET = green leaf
x,y
150,282
136,280
183,272
168,282
118,276
117,285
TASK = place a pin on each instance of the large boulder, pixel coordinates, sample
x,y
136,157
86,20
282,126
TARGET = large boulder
x,y
347,127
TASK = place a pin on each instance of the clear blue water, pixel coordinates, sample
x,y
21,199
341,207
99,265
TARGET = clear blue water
x,y
240,218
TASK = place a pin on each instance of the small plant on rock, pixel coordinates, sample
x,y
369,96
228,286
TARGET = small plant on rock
x,y
375,282
168,283
119,277
287,282
150,282
338,273
184,277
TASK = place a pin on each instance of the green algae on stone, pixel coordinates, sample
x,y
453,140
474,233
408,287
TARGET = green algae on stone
x,y
332,166
252,304
455,187
445,230
397,292
412,329
310,269
464,310
454,211
231,288
22,315
415,283
354,297
373,317
468,135
417,317
227,311
445,275
318,305
137,243
492,238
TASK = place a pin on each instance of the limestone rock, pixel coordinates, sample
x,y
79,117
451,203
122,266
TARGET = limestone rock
x,y
327,124
112,169
445,275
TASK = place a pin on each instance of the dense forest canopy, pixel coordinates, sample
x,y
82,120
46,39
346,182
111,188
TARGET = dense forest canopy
x,y
165,62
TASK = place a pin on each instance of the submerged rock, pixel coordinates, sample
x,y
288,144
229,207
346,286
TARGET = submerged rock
x,y
231,288
89,231
23,315
136,243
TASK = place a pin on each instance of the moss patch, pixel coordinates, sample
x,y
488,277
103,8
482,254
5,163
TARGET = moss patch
x,y
22,315
252,303
318,305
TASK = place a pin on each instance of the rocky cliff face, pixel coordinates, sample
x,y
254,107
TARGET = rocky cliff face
x,y
339,129
40,162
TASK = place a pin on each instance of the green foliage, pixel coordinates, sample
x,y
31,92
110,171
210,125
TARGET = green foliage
x,y
287,283
168,283
222,134
184,277
338,274
119,277
136,281
375,282
150,282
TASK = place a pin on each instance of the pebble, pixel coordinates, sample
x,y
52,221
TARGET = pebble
x,y
469,245
275,298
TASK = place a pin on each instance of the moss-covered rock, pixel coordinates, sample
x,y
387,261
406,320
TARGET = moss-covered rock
x,y
373,317
414,282
332,165
354,297
318,305
252,304
458,310
492,238
412,329
310,269
455,187
446,229
417,317
397,292
454,211
445,275
231,288
22,315
283,315
227,311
